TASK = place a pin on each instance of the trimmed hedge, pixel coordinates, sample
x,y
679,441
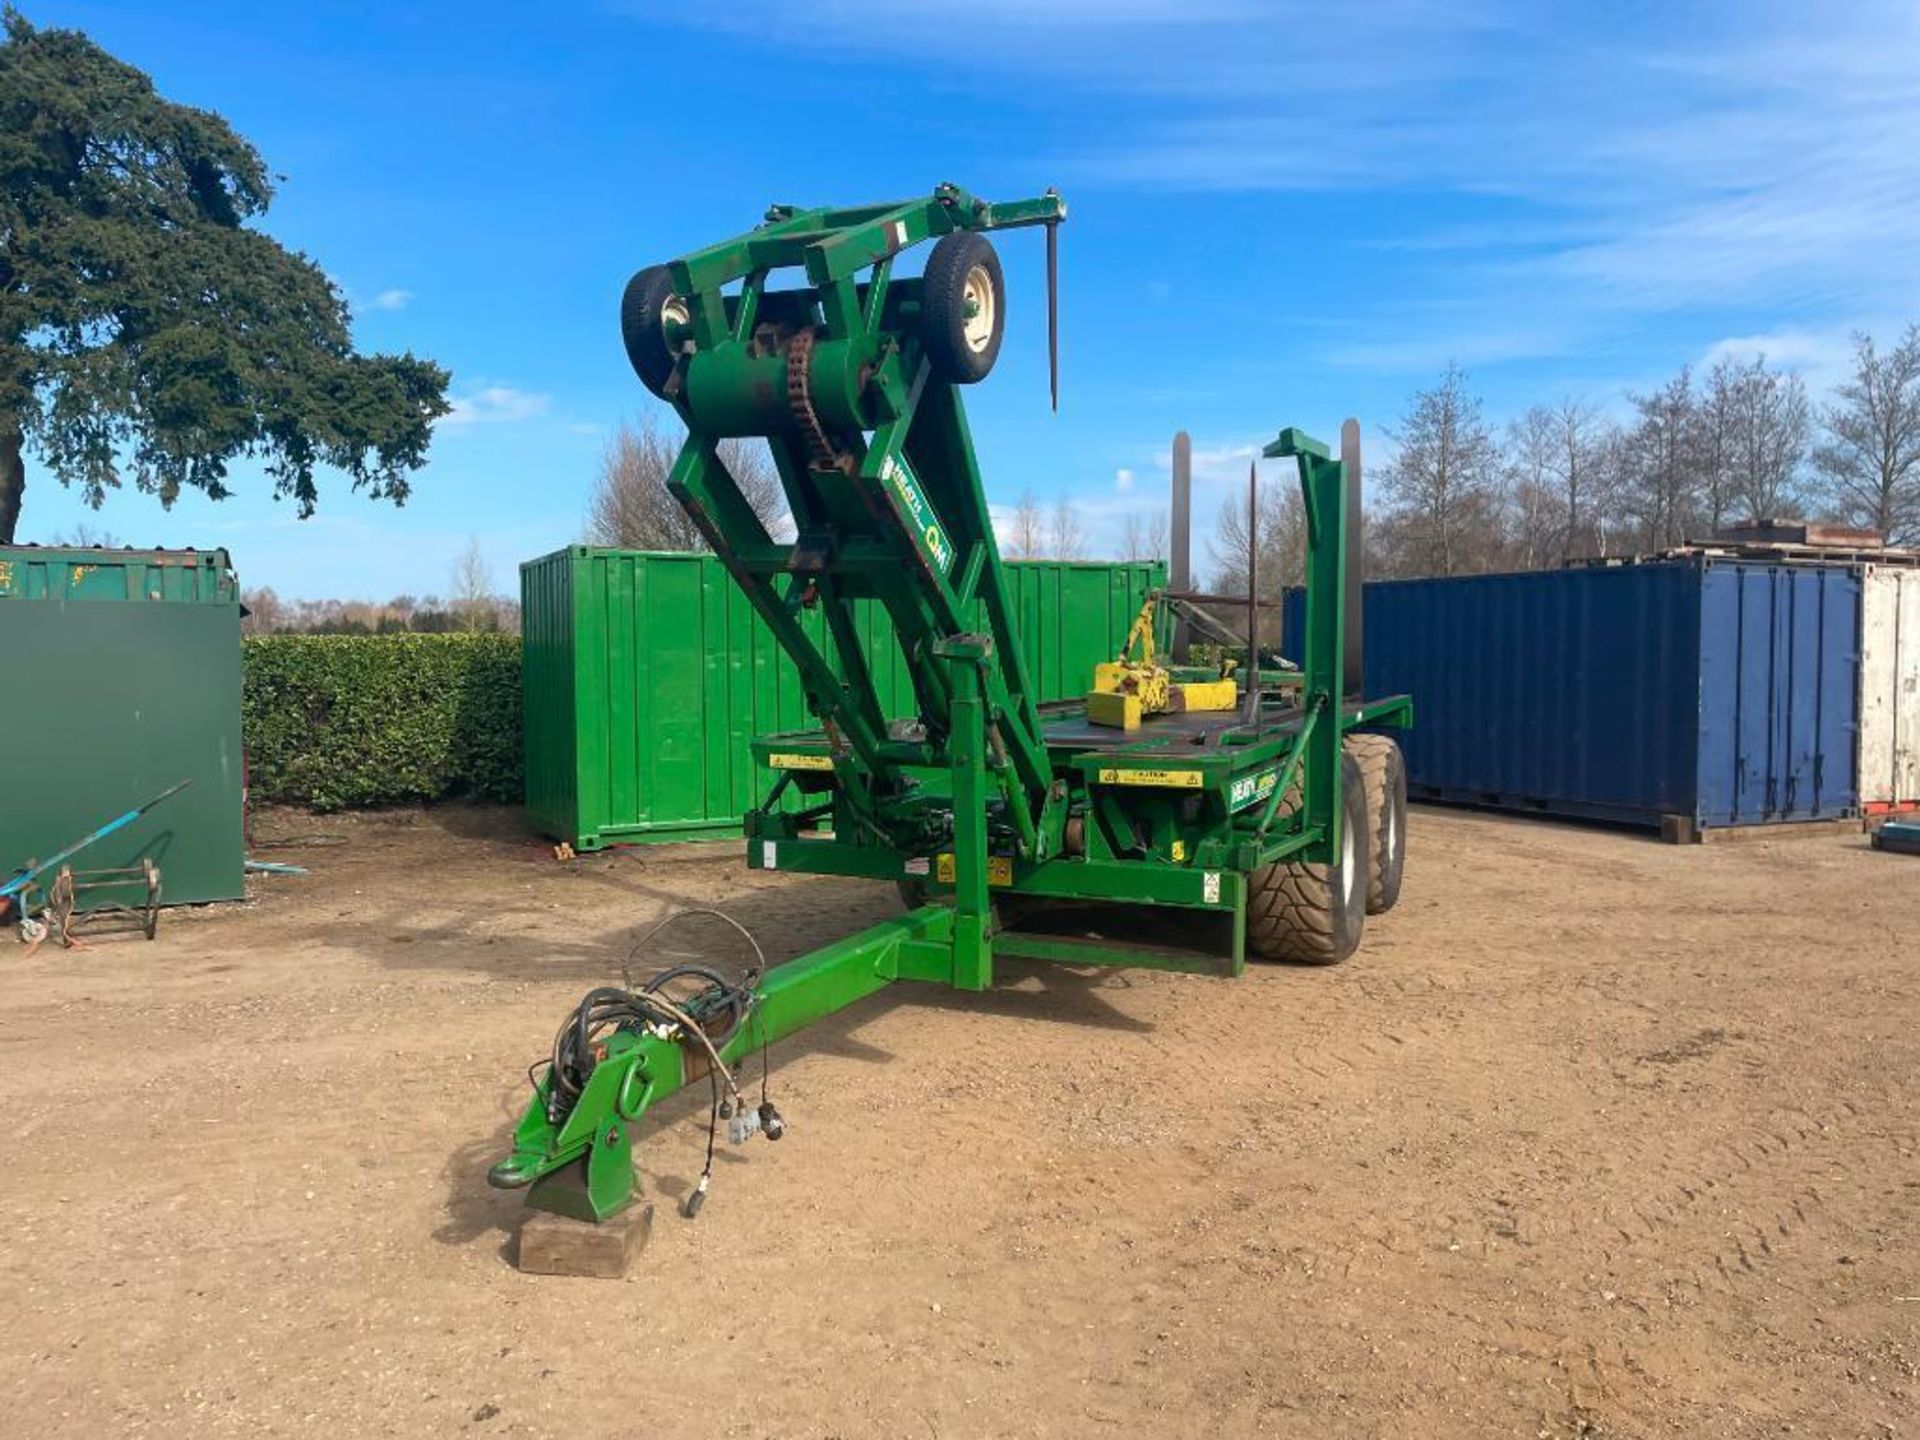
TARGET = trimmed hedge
x,y
333,721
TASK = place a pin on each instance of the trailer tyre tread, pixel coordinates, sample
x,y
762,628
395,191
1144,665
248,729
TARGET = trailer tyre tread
x,y
1383,779
642,307
1303,911
957,262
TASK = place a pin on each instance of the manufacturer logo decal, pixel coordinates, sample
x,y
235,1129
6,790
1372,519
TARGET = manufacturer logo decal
x,y
919,513
1252,789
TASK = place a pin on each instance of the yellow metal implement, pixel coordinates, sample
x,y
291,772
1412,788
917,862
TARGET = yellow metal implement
x,y
1125,689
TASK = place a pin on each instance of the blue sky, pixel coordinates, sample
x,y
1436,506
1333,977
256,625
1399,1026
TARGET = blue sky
x,y
1280,214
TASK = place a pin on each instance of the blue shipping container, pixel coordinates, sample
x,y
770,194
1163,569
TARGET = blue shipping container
x,y
1717,692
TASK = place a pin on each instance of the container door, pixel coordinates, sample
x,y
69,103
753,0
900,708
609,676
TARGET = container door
x,y
1879,685
1906,735
1779,693
1890,689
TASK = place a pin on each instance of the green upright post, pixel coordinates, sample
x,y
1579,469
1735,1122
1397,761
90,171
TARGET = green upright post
x,y
1323,486
966,657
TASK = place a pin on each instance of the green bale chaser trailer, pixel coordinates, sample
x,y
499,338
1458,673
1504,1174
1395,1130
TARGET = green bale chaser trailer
x,y
1013,828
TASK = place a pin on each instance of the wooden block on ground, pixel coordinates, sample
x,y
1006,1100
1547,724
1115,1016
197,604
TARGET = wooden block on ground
x,y
556,1245
1678,830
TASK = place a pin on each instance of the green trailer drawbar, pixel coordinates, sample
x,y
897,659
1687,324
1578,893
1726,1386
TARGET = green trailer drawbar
x,y
123,679
648,676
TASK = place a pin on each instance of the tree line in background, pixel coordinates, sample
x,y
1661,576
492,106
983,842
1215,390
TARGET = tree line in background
x,y
631,509
1564,481
1560,482
1740,443
470,606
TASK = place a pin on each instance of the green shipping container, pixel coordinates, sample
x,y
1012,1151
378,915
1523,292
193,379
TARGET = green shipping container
x,y
646,676
123,674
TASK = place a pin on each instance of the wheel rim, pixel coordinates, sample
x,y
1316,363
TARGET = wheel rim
x,y
978,303
673,311
1347,867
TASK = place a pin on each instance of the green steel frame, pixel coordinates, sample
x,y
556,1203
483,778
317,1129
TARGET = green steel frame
x,y
988,793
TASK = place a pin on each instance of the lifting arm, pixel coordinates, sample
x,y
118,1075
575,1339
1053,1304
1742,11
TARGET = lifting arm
x,y
852,381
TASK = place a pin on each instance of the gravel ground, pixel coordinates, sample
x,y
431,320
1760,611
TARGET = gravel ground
x,y
1595,1137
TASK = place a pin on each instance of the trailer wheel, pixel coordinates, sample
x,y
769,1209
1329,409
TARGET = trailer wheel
x,y
645,308
963,307
1311,913
1383,774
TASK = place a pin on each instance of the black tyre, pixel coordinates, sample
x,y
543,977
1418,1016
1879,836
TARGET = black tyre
x,y
1383,774
648,303
963,307
1310,913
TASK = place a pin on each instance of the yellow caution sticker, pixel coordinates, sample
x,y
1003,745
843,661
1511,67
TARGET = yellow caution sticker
x,y
799,762
1162,779
999,869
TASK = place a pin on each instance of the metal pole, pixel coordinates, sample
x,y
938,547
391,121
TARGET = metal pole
x,y
1253,594
1353,667
1180,561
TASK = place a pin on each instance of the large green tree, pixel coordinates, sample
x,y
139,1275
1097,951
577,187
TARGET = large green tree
x,y
146,329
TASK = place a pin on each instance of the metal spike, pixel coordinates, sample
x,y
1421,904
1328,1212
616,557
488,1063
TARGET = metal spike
x,y
1053,310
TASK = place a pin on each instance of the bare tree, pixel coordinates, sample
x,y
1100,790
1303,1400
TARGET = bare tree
x,y
632,509
264,612
1283,548
470,590
1144,536
1025,534
1715,412
1583,445
1440,488
1063,531
1870,458
1533,515
84,537
1659,467
1771,426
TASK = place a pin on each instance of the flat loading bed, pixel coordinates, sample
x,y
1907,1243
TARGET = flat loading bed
x,y
1280,817
1192,795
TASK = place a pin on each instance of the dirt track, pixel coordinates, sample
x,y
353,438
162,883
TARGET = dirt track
x,y
1595,1137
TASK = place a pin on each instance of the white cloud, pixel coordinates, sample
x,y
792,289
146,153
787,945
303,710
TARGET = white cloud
x,y
1123,479
494,405
1219,463
390,300
1822,358
1588,168
1427,353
